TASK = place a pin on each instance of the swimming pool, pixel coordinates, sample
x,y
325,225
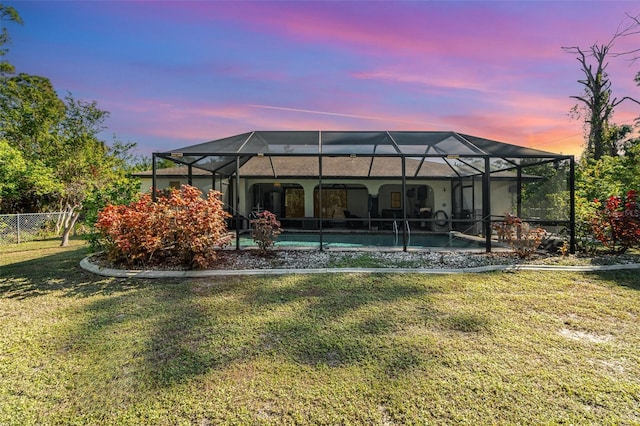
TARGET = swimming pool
x,y
347,240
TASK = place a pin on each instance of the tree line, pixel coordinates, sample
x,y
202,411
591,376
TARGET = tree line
x,y
52,157
609,167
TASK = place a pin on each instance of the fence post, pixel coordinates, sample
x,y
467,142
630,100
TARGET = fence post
x,y
18,226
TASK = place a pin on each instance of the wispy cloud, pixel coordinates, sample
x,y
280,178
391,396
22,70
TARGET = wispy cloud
x,y
492,69
335,114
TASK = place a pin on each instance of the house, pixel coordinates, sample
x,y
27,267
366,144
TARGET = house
x,y
430,181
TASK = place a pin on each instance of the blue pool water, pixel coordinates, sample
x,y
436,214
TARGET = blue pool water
x,y
366,240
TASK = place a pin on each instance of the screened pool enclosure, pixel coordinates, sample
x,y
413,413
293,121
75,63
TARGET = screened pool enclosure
x,y
376,182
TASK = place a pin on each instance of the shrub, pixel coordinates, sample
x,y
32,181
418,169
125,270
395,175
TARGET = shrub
x,y
585,212
265,228
522,239
180,228
616,222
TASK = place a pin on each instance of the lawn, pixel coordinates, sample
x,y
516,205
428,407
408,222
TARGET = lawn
x,y
498,348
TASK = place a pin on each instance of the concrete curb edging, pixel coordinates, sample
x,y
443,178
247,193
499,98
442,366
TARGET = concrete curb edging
x,y
149,273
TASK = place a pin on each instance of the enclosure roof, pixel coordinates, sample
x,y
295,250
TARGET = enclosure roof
x,y
334,167
460,153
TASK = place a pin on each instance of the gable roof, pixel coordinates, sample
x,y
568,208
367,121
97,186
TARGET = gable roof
x,y
333,167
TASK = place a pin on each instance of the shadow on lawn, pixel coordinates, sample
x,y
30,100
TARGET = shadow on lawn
x,y
342,320
161,336
57,272
171,331
624,278
150,337
200,326
185,329
180,348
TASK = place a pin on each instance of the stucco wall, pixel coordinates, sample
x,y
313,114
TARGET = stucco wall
x,y
502,200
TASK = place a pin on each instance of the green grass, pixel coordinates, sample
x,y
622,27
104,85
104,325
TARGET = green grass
x,y
494,348
357,261
366,260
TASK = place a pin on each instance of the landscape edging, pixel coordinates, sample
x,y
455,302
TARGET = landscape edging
x,y
151,273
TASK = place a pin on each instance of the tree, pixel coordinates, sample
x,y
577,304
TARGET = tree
x,y
51,156
7,13
265,227
30,114
549,194
610,175
12,170
143,163
24,185
30,118
65,162
634,29
597,98
609,166
601,179
84,163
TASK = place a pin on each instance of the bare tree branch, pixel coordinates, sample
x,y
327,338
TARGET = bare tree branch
x,y
583,100
631,28
616,103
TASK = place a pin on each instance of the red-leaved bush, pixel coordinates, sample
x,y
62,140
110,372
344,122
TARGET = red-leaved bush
x,y
616,223
265,227
180,228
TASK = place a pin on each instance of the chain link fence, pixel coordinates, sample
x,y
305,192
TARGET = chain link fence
x,y
22,227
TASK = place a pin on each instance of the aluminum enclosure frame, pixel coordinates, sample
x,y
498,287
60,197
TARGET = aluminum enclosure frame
x,y
466,156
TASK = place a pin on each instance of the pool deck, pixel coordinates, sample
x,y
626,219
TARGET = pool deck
x,y
450,240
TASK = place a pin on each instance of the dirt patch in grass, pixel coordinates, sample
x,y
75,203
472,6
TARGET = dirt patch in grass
x,y
585,336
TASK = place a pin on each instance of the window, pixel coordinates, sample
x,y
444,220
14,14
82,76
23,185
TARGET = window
x,y
332,200
294,202
396,200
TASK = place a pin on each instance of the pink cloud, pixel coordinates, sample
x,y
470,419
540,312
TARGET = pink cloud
x,y
187,123
491,69
380,28
438,78
544,134
482,31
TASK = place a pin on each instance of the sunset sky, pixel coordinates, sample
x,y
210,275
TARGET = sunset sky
x,y
179,73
